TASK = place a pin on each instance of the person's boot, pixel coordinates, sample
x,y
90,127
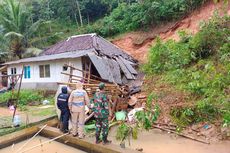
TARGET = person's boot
x,y
106,141
98,140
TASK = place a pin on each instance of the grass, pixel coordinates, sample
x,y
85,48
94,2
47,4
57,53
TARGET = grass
x,y
44,112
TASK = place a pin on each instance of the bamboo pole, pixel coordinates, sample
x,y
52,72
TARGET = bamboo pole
x,y
28,149
90,85
78,77
31,138
85,72
89,72
19,88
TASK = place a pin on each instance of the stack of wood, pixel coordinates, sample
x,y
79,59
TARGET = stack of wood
x,y
90,82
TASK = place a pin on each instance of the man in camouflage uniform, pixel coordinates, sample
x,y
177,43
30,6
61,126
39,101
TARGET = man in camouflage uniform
x,y
101,113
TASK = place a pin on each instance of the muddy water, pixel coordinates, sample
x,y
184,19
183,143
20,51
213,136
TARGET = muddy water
x,y
155,141
53,147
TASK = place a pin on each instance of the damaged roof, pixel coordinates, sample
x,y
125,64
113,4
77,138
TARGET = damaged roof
x,y
86,42
110,61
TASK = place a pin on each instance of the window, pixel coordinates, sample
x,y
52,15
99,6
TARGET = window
x,y
44,71
13,70
64,68
26,72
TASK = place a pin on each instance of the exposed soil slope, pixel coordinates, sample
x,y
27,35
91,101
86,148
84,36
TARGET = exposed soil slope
x,y
138,43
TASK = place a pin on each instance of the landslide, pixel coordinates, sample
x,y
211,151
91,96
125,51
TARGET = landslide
x,y
138,43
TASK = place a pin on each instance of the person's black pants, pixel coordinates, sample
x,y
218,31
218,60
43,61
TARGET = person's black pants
x,y
65,115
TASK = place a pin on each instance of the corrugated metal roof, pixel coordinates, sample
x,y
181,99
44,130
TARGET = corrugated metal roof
x,y
85,42
128,65
125,70
73,54
116,72
100,65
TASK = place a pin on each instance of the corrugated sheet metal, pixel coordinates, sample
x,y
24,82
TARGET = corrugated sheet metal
x,y
85,42
108,69
125,70
79,42
115,69
128,65
100,66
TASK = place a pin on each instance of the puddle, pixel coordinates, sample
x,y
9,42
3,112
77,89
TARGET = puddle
x,y
53,147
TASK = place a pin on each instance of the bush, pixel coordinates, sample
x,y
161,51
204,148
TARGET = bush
x,y
26,96
167,56
140,14
199,65
213,34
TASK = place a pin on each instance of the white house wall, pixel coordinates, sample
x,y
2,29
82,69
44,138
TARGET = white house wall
x,y
56,67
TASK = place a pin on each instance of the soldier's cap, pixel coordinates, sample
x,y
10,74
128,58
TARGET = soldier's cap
x,y
101,85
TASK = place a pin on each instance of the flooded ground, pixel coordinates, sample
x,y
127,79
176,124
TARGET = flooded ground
x,y
156,141
53,147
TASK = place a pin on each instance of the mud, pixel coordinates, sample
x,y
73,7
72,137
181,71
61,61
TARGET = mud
x,y
53,147
156,141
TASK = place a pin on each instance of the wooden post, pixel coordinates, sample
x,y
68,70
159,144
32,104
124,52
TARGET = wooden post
x,y
89,73
19,88
70,76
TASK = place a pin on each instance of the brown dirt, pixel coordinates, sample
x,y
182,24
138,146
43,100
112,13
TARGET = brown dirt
x,y
138,43
169,98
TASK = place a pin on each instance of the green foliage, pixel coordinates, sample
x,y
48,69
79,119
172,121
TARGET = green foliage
x,y
226,119
168,56
200,66
125,131
212,36
122,131
203,111
147,118
26,96
183,116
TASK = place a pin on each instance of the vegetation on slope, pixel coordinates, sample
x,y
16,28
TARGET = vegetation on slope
x,y
200,65
41,23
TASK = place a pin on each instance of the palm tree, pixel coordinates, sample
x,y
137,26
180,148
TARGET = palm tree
x,y
18,26
3,52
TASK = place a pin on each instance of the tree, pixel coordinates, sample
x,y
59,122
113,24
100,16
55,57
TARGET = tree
x,y
18,26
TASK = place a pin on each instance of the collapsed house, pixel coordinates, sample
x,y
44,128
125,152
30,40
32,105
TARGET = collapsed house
x,y
88,58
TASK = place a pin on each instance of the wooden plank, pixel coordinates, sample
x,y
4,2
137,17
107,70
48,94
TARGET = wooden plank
x,y
80,78
90,85
89,71
127,73
94,76
128,65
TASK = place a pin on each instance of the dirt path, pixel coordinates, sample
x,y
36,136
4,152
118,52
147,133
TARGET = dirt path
x,y
156,141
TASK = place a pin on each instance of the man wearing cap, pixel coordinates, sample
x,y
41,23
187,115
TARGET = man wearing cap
x,y
101,113
77,101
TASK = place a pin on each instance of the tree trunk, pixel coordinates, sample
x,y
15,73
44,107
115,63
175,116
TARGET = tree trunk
x,y
88,17
79,12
